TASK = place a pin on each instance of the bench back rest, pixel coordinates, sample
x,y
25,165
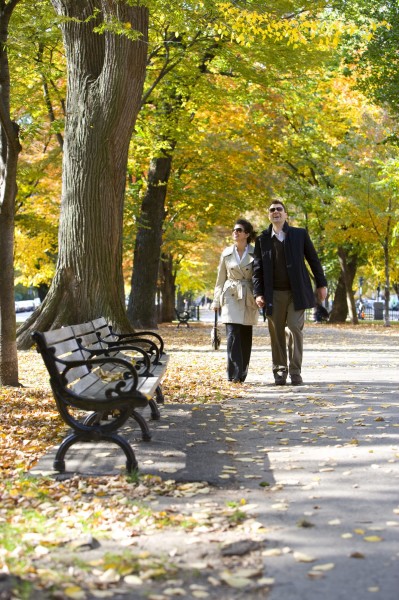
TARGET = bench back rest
x,y
92,345
86,336
103,331
59,347
149,341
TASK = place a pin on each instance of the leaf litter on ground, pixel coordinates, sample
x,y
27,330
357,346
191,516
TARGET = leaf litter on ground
x,y
48,524
61,534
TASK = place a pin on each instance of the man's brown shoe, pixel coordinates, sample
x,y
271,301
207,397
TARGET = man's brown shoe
x,y
296,379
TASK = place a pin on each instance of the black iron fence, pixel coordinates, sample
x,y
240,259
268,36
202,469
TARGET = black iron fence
x,y
377,314
368,314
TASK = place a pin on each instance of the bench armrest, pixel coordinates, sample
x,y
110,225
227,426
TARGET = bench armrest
x,y
140,334
100,360
103,351
129,341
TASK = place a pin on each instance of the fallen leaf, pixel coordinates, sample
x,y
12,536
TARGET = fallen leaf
x,y
302,557
74,592
325,567
235,582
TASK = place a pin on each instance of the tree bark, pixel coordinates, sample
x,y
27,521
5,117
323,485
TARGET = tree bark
x,y
348,265
339,310
105,82
168,288
387,321
147,251
9,152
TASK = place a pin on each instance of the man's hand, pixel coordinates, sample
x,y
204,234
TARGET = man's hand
x,y
260,301
322,293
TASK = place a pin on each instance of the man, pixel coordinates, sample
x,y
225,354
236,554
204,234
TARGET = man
x,y
282,288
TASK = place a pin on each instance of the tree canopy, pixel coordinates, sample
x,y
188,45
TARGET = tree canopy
x,y
249,102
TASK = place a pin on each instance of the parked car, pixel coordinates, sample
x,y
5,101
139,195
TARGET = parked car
x,y
26,305
394,302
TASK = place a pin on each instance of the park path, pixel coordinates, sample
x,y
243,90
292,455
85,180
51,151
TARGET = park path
x,y
316,465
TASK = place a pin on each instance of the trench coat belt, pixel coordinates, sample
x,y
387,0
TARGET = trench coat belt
x,y
239,284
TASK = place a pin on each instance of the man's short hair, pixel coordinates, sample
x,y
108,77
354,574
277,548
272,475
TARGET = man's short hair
x,y
278,202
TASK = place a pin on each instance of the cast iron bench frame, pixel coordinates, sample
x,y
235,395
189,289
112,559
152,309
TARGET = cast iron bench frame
x,y
103,383
183,316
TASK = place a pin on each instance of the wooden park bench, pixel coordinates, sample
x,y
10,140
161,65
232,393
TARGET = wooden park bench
x,y
98,386
183,317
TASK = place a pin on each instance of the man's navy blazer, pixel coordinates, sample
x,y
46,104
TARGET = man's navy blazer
x,y
298,246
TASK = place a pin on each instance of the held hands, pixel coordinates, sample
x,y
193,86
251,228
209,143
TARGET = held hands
x,y
260,301
321,294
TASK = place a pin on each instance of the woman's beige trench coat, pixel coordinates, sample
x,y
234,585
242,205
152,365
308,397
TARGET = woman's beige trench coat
x,y
233,289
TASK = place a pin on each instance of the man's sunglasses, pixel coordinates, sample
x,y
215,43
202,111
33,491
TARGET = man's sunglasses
x,y
238,229
278,208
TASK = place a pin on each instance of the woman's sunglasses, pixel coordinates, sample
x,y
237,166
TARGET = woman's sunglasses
x,y
238,229
278,208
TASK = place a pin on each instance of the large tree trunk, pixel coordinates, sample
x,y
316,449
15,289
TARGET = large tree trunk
x,y
105,81
348,267
340,306
348,263
168,288
147,251
9,152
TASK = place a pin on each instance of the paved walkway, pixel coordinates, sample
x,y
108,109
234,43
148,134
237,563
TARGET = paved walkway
x,y
318,465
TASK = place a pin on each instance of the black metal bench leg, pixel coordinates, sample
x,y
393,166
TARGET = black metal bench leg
x,y
155,414
145,432
160,398
131,461
94,418
59,461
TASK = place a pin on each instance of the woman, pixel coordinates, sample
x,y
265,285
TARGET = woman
x,y
233,293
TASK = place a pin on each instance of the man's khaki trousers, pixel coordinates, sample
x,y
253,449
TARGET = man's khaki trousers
x,y
286,332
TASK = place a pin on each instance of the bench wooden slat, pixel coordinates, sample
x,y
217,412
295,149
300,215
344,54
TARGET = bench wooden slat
x,y
91,346
149,385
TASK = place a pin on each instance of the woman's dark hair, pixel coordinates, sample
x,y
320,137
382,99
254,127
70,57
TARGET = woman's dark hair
x,y
247,228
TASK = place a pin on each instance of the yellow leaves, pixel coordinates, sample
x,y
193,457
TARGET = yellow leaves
x,y
246,27
354,442
368,538
74,592
241,578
